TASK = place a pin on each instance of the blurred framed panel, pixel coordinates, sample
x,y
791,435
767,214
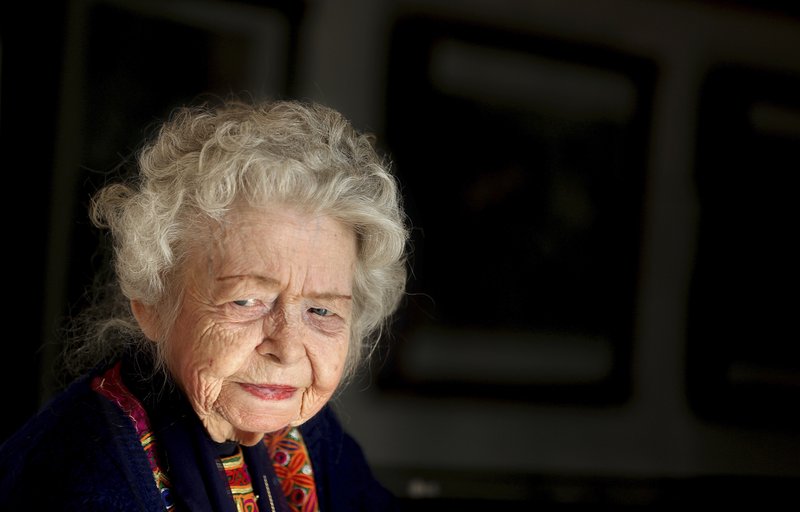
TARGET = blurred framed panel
x,y
143,58
743,355
523,160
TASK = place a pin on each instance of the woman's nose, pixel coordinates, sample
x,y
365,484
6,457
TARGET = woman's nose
x,y
282,339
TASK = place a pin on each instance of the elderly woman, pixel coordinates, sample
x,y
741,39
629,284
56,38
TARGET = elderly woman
x,y
259,254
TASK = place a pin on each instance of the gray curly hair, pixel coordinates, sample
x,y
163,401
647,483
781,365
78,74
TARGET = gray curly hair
x,y
207,158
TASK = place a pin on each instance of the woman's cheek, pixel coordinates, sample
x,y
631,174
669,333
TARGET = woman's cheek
x,y
226,348
327,362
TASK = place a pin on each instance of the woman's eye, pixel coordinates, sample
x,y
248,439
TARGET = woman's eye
x,y
320,311
245,303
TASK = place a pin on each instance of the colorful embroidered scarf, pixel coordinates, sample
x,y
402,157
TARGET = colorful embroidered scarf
x,y
274,475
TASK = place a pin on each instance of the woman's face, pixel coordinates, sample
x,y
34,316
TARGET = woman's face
x,y
262,333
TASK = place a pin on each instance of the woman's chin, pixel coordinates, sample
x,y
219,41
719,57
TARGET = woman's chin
x,y
246,424
251,432
267,419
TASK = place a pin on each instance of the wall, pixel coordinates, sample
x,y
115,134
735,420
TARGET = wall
x,y
694,396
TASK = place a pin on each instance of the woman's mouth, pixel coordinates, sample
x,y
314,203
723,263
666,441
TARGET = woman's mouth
x,y
270,391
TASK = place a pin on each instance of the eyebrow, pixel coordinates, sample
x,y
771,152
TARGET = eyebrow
x,y
263,279
269,281
330,296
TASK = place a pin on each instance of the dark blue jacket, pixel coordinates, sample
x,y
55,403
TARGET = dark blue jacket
x,y
81,453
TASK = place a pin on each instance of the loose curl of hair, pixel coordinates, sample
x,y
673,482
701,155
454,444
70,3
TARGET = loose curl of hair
x,y
204,161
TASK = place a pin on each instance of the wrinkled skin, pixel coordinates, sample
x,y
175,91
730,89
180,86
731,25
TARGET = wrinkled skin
x,y
262,333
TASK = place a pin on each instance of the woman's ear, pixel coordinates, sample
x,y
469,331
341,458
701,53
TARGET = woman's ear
x,y
147,318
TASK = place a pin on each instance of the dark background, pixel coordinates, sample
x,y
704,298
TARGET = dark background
x,y
601,309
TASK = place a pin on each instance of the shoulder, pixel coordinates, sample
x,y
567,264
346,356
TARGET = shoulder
x,y
59,417
78,446
343,476
328,442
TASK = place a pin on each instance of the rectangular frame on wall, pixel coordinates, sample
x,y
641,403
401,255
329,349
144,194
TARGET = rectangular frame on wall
x,y
743,359
523,160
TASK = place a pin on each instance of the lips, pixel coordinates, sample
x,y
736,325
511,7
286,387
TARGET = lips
x,y
270,391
